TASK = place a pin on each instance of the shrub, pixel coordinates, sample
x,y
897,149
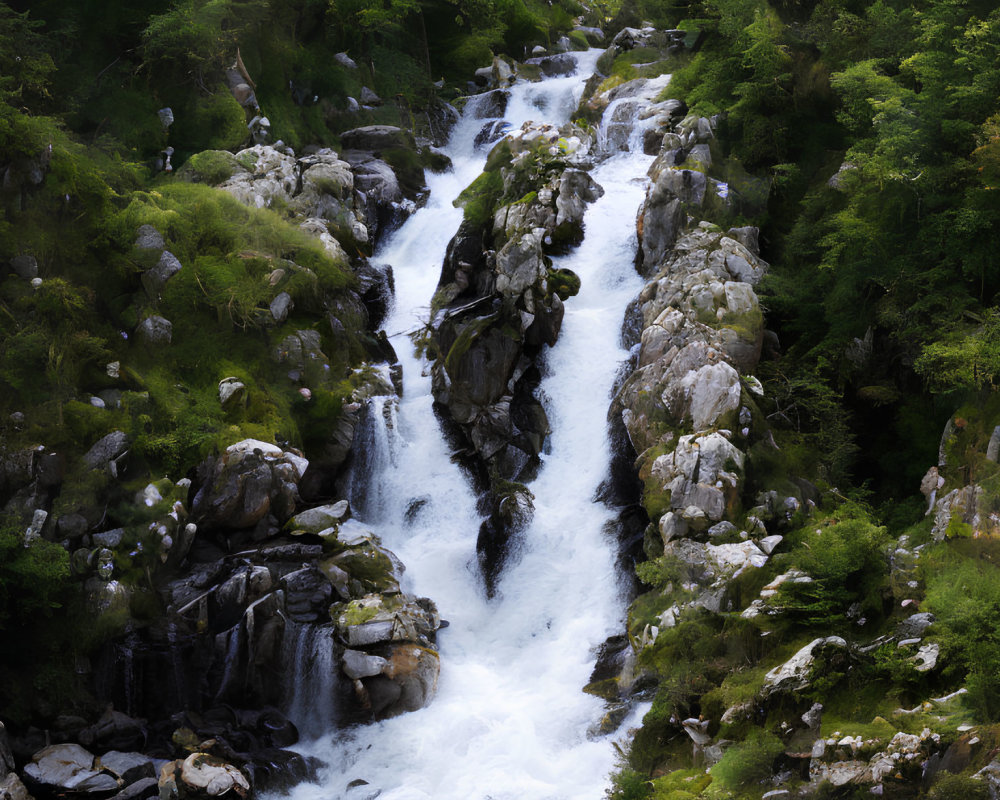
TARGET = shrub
x,y
847,562
748,762
964,593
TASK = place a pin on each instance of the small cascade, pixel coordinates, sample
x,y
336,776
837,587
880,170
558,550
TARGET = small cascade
x,y
310,693
623,125
377,444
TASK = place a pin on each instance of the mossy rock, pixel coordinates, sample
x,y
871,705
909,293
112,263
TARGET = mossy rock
x,y
370,566
563,282
210,166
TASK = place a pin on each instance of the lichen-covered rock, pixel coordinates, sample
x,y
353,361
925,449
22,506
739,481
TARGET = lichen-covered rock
x,y
793,675
380,618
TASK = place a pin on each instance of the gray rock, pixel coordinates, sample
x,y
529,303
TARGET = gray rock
x,y
594,35
993,448
300,348
71,526
746,236
813,717
148,238
6,755
926,658
68,768
166,116
629,38
232,391
794,673
129,767
315,520
369,98
34,531
203,776
915,625
501,72
111,538
550,66
369,633
353,106
281,306
155,331
107,450
156,278
720,529
26,266
357,664
249,481
345,61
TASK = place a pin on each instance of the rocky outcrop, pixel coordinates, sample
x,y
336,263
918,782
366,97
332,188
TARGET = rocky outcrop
x,y
358,195
499,303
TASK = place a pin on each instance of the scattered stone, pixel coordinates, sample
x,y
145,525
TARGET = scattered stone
x,y
155,331
345,61
232,392
369,98
106,452
282,305
156,278
148,238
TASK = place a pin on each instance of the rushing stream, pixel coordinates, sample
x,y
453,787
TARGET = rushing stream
x,y
509,720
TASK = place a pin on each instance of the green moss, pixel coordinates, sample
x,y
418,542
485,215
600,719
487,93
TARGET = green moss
x,y
210,166
745,764
479,199
563,282
358,613
681,784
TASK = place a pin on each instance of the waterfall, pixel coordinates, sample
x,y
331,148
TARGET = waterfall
x,y
311,671
510,720
376,452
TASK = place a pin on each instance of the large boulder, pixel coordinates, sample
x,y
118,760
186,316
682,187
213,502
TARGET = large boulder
x,y
68,769
250,480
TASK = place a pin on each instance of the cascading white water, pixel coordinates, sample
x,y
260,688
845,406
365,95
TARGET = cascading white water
x,y
509,719
310,651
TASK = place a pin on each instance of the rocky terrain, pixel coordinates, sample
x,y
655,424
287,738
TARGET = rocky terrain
x,y
194,362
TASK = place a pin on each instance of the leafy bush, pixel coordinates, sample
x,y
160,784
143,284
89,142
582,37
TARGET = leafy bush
x,y
847,562
963,591
958,787
748,763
